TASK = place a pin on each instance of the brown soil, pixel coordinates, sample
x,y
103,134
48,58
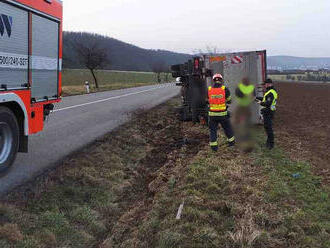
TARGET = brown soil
x,y
303,122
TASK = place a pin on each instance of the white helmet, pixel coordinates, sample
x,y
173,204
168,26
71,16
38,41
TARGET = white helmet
x,y
217,77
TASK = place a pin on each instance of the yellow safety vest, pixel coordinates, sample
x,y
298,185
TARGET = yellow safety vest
x,y
247,90
217,101
271,91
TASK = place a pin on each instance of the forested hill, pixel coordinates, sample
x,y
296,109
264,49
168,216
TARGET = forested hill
x,y
290,62
122,56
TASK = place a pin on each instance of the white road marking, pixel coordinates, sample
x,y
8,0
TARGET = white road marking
x,y
106,99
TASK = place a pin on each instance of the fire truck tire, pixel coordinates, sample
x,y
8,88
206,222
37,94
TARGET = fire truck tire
x,y
9,139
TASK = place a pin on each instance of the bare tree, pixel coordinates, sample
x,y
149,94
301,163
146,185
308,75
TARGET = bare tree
x,y
210,50
92,55
158,67
167,72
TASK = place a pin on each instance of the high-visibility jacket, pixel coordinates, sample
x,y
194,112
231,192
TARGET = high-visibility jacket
x,y
247,91
273,105
217,101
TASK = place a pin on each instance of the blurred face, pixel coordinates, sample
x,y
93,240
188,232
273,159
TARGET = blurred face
x,y
246,81
267,85
218,80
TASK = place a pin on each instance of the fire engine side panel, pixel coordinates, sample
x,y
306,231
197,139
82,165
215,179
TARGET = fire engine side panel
x,y
44,59
13,46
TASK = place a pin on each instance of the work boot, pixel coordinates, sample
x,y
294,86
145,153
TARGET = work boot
x,y
231,144
270,146
214,148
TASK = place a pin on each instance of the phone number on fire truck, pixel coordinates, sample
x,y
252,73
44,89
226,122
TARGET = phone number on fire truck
x,y
13,62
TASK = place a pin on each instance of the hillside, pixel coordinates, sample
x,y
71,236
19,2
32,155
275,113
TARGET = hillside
x,y
290,62
123,56
127,57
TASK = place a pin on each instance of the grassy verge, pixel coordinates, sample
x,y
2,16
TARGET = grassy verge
x,y
79,204
236,200
125,190
74,80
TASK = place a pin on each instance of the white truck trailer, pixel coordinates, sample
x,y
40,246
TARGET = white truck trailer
x,y
196,76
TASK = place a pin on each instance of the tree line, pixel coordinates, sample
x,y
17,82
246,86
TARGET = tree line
x,y
93,51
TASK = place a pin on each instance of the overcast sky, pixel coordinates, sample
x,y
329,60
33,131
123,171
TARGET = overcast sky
x,y
283,27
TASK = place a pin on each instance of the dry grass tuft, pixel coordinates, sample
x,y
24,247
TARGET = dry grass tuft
x,y
246,231
11,232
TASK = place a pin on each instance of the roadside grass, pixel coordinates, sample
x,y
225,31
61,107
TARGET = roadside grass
x,y
234,200
125,191
73,80
80,90
238,200
78,204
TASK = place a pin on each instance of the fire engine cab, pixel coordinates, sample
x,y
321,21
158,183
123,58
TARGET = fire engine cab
x,y
30,71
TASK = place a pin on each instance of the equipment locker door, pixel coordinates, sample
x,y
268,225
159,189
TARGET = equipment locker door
x,y
14,46
44,59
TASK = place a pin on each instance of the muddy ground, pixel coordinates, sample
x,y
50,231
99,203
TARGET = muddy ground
x,y
304,115
125,189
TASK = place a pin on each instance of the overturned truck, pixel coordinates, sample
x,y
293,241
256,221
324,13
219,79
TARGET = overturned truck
x,y
195,76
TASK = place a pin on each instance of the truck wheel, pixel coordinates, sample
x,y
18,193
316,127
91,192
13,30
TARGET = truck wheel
x,y
9,138
186,115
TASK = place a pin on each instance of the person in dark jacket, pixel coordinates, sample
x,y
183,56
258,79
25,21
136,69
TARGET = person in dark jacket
x,y
268,103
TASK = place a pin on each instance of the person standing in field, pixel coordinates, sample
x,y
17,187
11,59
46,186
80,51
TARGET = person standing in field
x,y
219,97
268,103
245,95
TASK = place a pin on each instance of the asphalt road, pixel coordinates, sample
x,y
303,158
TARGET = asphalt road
x,y
78,121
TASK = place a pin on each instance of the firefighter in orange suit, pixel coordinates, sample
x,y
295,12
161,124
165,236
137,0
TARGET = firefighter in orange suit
x,y
219,98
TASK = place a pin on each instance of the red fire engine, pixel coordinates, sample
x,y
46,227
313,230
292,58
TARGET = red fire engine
x,y
30,71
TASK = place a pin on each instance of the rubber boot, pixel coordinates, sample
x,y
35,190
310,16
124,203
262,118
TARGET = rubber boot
x,y
214,148
231,144
270,146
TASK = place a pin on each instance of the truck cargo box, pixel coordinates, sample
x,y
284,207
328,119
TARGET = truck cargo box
x,y
234,67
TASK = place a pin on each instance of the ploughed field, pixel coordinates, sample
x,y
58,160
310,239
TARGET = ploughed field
x,y
303,117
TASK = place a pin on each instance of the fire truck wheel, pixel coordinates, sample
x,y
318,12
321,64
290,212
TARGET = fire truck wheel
x,y
9,138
